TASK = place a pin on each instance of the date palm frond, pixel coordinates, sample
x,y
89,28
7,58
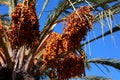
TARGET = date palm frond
x,y
115,29
109,62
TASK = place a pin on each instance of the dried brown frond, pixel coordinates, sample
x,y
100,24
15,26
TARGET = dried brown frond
x,y
1,29
2,58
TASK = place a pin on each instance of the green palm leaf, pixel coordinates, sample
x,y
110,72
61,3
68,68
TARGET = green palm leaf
x,y
110,62
5,2
97,78
115,29
43,8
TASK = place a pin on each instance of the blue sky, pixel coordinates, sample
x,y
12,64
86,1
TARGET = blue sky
x,y
97,49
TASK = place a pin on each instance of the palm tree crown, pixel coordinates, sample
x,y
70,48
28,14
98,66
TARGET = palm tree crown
x,y
28,52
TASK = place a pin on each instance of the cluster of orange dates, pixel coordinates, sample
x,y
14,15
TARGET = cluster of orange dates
x,y
25,26
54,48
77,25
25,30
71,65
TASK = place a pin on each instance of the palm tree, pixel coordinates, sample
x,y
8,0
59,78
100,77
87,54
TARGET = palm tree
x,y
26,53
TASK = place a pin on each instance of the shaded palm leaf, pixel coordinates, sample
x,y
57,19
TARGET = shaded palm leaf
x,y
97,78
5,2
101,3
115,29
114,9
110,62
